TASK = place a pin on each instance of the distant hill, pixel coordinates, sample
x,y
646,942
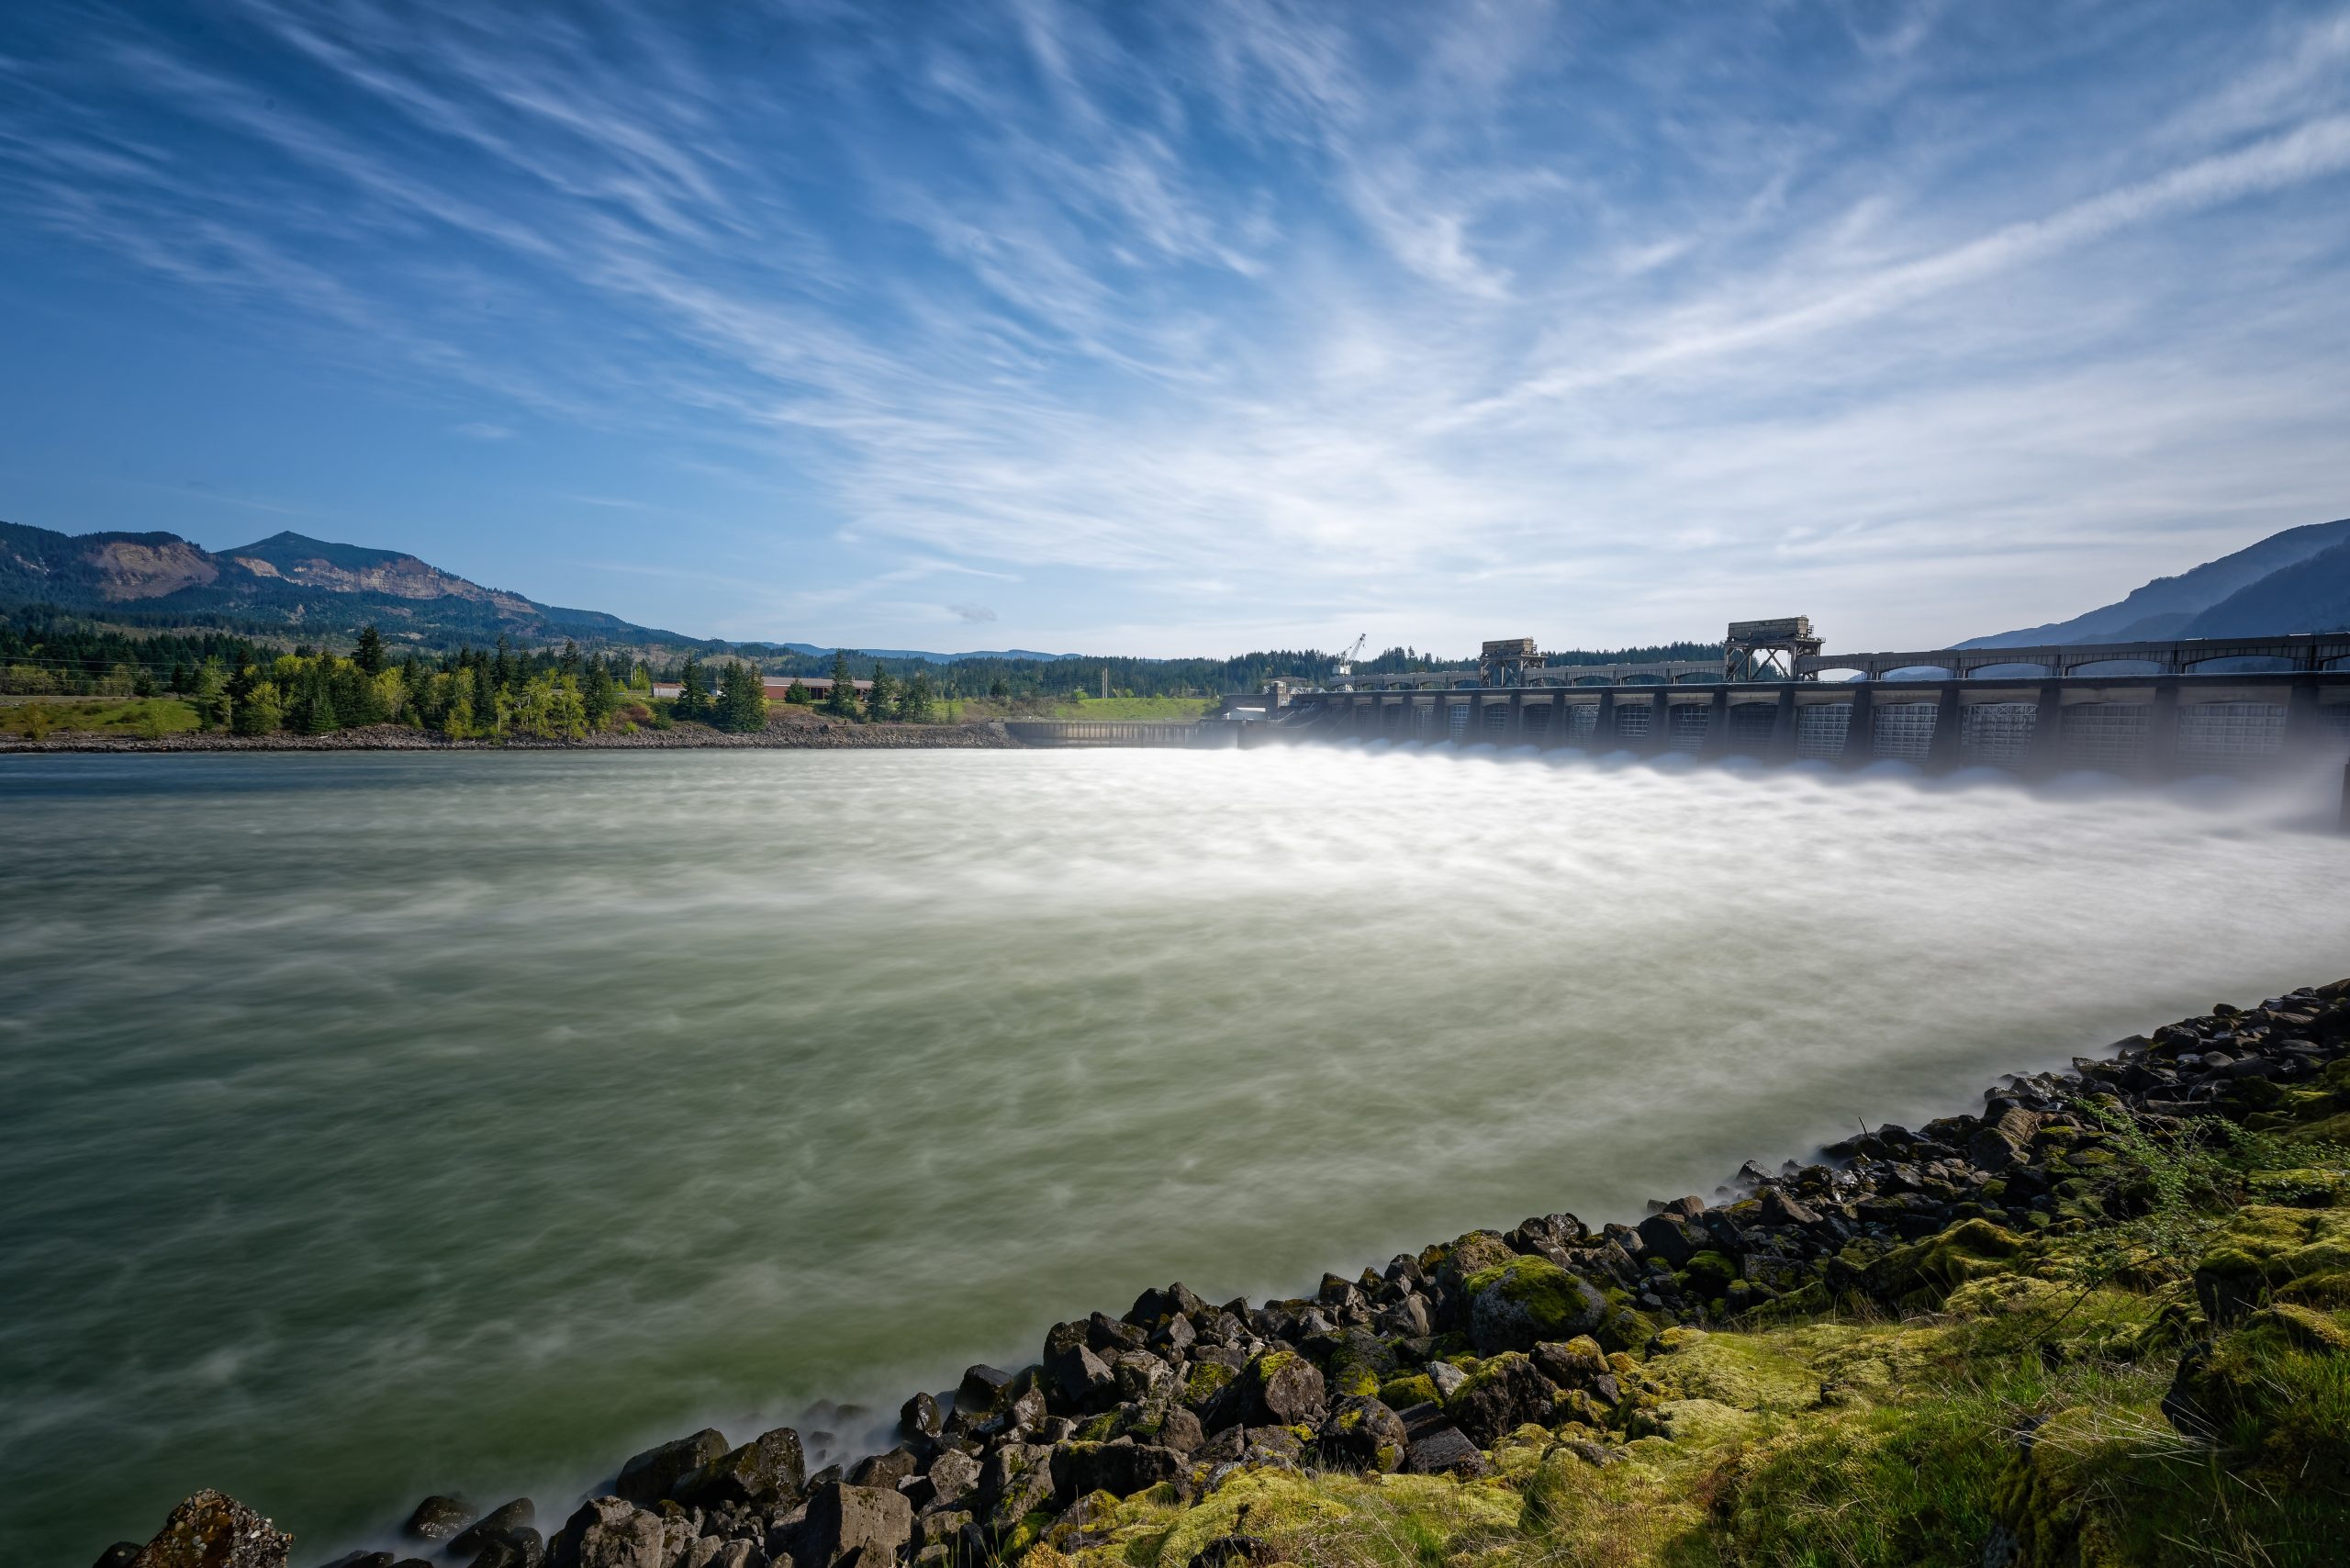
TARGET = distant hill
x,y
287,580
2294,581
316,587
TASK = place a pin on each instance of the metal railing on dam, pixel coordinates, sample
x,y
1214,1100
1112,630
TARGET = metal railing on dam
x,y
1123,732
2158,725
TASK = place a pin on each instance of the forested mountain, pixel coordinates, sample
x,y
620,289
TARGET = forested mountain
x,y
286,582
2294,581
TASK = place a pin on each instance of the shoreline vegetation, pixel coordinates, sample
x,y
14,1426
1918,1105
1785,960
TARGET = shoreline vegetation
x,y
2103,1320
234,697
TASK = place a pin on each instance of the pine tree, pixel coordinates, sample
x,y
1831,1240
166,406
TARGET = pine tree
x,y
693,700
881,702
842,700
598,696
742,700
798,694
209,693
915,705
369,655
502,672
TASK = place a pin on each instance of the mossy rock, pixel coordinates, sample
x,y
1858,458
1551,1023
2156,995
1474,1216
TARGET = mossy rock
x,y
2265,1252
2045,1495
1517,1304
1207,1380
1921,1276
1697,1425
1709,1273
2275,1390
1403,1392
1469,1255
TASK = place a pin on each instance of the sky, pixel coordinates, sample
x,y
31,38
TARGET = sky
x,y
1178,330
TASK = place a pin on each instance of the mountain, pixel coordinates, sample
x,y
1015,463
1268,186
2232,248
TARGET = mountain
x,y
287,580
2294,581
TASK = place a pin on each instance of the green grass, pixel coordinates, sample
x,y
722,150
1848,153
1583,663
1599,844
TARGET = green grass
x,y
131,716
1174,710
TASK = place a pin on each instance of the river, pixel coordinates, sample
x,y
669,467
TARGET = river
x,y
379,1124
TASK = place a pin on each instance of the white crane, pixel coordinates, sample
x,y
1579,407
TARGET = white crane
x,y
1345,665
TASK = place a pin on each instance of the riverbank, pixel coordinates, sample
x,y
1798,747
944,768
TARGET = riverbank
x,y
791,730
2100,1320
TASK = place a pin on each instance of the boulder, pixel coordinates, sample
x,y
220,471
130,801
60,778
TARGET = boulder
x,y
1279,1388
982,1389
1015,1481
1078,1376
890,1469
1153,1308
861,1524
1517,1305
438,1519
647,1478
1121,1469
1444,1451
1503,1394
120,1554
612,1532
2266,1252
764,1474
1472,1254
212,1529
1667,1235
1363,1433
920,1417
953,1476
497,1525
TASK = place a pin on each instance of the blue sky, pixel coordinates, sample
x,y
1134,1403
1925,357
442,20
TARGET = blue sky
x,y
1188,329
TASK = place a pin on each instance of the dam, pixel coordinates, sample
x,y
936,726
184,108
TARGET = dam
x,y
2148,710
2156,710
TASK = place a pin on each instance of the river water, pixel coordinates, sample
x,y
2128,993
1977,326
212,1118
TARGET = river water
x,y
379,1124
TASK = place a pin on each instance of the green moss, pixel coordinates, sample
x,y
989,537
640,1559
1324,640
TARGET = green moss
x,y
2265,1252
1709,1273
1207,1380
1403,1392
1517,1304
1917,1277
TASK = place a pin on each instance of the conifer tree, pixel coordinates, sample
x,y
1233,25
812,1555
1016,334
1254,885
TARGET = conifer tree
x,y
741,700
842,700
369,655
209,694
798,694
598,696
693,698
881,702
919,699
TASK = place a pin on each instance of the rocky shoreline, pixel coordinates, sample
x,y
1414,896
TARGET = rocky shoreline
x,y
781,733
1554,1333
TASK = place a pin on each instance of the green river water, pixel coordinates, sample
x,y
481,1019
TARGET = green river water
x,y
379,1124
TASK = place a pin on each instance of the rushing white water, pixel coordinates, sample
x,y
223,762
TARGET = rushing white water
x,y
379,1125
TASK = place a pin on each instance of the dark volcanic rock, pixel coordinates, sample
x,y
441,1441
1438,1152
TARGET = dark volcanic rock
x,y
610,1532
1280,1388
1528,1300
647,1478
1444,1451
212,1529
853,1524
1121,1469
1503,1394
438,1519
498,1524
1364,1434
919,1417
764,1474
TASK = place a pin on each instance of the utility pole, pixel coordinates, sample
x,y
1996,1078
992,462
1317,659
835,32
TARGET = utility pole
x,y
1105,683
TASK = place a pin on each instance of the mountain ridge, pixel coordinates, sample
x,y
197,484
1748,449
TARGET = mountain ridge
x,y
2294,581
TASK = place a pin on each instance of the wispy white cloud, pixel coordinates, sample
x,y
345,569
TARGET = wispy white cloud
x,y
1592,323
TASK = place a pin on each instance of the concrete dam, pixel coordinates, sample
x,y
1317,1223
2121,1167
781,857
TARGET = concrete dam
x,y
2154,710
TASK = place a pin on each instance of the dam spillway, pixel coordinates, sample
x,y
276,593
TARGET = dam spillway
x,y
2147,709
